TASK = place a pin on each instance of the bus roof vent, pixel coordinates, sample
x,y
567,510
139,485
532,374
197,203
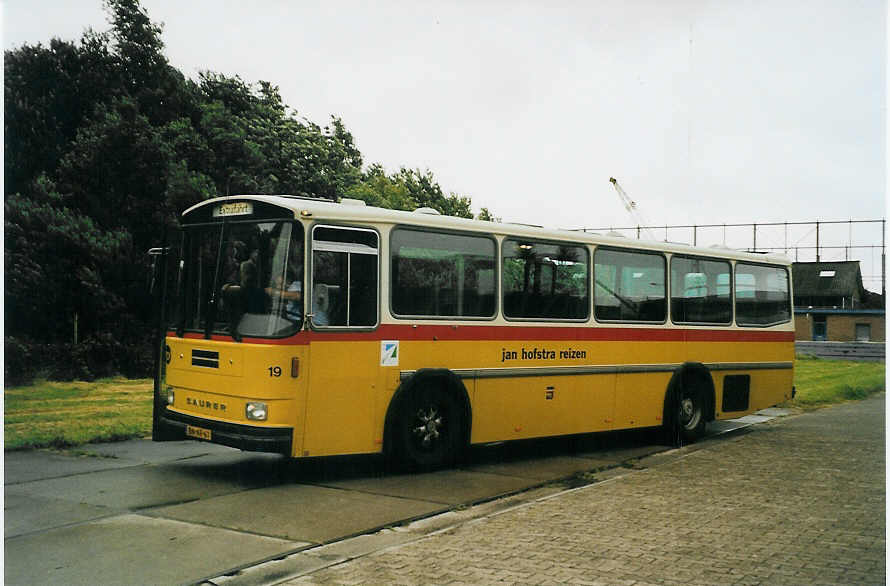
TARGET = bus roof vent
x,y
428,211
348,201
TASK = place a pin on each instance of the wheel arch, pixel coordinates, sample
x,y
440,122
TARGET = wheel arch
x,y
690,375
446,380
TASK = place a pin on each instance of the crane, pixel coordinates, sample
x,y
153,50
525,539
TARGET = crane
x,y
631,206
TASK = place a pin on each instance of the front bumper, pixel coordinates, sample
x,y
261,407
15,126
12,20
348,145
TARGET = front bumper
x,y
276,440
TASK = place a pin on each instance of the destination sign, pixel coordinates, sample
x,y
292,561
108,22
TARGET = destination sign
x,y
235,208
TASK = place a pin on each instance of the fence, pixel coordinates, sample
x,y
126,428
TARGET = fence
x,y
866,351
816,240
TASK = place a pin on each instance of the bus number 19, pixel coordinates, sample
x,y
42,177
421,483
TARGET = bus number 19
x,y
275,371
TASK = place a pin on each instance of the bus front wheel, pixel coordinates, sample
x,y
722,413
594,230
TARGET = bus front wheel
x,y
429,429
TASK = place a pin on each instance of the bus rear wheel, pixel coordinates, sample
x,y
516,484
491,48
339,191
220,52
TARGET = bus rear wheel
x,y
430,429
691,414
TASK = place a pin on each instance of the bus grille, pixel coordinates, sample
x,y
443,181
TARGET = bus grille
x,y
206,358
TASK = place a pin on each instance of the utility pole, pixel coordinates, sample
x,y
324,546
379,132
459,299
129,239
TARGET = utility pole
x,y
818,258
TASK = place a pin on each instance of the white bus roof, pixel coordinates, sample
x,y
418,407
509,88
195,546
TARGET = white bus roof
x,y
346,211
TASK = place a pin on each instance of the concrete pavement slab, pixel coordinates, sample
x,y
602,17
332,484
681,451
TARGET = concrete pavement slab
x,y
145,451
775,412
247,469
450,487
618,455
273,572
752,419
28,514
137,487
30,465
724,426
300,512
540,470
762,416
132,549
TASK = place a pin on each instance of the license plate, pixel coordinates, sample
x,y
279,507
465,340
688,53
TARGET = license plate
x,y
197,432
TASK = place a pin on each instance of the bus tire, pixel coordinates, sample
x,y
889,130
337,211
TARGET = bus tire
x,y
691,413
688,405
429,429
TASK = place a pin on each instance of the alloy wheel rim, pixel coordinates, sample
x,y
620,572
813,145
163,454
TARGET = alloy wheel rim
x,y
428,427
689,414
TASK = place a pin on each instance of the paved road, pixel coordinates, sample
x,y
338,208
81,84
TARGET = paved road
x,y
183,512
799,500
144,513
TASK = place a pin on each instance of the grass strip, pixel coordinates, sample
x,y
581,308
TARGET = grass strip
x,y
824,382
66,414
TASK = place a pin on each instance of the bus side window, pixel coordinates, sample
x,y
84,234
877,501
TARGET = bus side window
x,y
363,290
545,280
344,277
630,286
700,290
762,295
441,274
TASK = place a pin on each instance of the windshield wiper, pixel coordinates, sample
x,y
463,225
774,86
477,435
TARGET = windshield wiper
x,y
213,303
233,329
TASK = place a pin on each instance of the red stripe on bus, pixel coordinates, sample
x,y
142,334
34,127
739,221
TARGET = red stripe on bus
x,y
515,333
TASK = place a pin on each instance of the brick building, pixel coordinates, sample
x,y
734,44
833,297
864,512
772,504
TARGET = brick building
x,y
831,304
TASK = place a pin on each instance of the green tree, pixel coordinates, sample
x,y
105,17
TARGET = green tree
x,y
485,215
261,147
377,189
407,189
144,72
62,273
425,190
48,92
115,172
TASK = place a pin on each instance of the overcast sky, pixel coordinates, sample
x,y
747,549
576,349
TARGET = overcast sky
x,y
705,112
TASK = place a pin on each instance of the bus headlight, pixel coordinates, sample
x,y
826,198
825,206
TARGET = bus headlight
x,y
257,411
168,395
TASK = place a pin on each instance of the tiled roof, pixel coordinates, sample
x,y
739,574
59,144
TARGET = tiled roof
x,y
817,279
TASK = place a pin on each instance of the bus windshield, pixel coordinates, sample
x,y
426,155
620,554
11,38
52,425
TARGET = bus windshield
x,y
242,279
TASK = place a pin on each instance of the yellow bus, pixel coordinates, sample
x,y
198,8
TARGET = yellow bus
x,y
312,328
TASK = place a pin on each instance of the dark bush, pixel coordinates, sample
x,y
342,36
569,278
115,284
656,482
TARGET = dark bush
x,y
20,361
68,362
101,354
136,360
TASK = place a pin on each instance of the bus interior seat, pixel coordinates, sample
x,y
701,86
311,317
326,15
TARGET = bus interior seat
x,y
322,297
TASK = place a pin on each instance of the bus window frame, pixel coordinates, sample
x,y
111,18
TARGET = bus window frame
x,y
667,308
310,270
182,275
731,290
586,247
790,300
497,271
